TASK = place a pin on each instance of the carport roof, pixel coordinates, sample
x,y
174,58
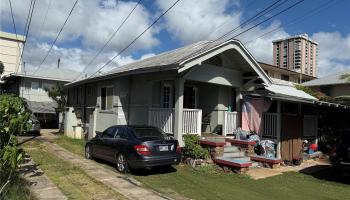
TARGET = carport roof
x,y
42,107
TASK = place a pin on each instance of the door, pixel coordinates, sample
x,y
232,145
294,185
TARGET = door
x,y
101,148
291,136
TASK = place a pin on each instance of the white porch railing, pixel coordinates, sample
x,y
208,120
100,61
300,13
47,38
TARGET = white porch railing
x,y
230,122
163,118
269,123
192,121
310,125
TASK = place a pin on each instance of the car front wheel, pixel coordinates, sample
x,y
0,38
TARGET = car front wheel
x,y
88,152
122,164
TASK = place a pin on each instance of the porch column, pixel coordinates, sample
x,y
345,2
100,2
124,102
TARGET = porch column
x,y
279,126
238,106
179,90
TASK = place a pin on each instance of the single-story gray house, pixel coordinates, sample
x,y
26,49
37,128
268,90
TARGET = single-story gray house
x,y
194,89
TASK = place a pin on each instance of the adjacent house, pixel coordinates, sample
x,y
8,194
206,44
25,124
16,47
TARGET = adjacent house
x,y
11,46
32,87
285,74
332,85
198,88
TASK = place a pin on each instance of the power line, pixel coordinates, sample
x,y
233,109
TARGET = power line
x,y
59,33
284,10
255,17
14,27
27,27
310,13
124,49
44,21
109,40
246,22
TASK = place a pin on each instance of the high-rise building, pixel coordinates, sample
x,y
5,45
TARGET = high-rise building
x,y
297,53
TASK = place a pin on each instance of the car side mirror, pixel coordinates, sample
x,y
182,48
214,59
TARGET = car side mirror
x,y
98,134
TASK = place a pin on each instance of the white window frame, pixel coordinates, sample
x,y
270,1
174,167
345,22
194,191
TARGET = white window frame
x,y
171,88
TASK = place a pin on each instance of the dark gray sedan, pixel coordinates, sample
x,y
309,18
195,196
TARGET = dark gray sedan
x,y
133,147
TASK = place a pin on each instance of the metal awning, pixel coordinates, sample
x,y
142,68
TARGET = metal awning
x,y
289,93
42,107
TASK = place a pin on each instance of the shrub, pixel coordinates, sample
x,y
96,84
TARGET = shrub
x,y
14,118
193,149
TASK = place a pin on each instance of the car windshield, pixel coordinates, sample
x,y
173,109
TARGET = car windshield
x,y
148,132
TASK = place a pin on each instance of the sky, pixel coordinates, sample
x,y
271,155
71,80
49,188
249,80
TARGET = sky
x,y
94,21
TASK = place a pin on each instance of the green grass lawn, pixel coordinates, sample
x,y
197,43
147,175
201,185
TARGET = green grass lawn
x,y
212,183
71,180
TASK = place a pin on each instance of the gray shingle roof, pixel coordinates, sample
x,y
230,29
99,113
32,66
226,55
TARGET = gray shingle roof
x,y
61,74
333,79
175,56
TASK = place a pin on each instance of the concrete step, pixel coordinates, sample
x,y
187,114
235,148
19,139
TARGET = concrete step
x,y
228,144
233,162
234,154
254,164
231,149
243,158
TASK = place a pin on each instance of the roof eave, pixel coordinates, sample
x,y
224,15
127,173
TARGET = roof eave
x,y
121,74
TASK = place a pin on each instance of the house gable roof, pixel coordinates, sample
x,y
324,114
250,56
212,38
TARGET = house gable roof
x,y
182,59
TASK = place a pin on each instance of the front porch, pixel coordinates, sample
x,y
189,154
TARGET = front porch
x,y
192,121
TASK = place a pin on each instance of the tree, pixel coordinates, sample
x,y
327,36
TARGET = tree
x,y
14,117
57,94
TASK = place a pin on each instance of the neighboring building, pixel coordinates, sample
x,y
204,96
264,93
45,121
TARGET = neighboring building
x,y
285,74
10,52
31,87
297,53
332,85
197,88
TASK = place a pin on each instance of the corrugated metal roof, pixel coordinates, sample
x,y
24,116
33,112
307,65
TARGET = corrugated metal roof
x,y
333,79
42,107
289,92
60,74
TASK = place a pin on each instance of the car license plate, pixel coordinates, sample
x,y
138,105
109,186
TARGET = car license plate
x,y
163,148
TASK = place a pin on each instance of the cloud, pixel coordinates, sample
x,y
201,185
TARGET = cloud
x,y
90,26
192,21
333,52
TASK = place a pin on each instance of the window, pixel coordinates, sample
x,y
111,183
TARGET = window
x,y
109,132
121,132
190,97
78,94
106,98
167,96
27,85
148,133
285,77
35,85
48,85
